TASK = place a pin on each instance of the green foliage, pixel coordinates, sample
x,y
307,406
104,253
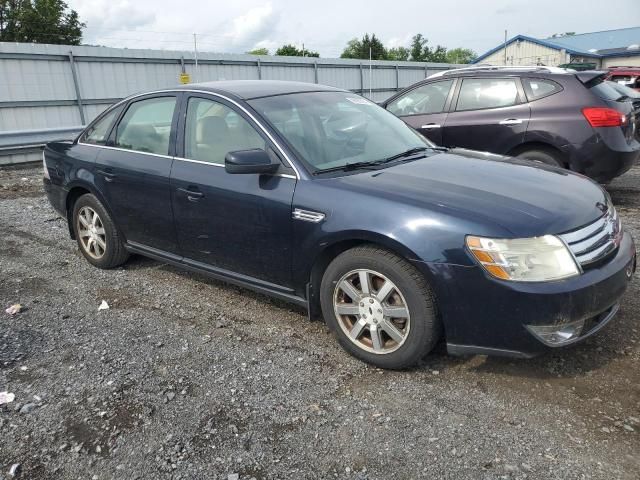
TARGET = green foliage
x,y
360,48
565,34
421,52
461,55
259,51
293,51
39,21
398,53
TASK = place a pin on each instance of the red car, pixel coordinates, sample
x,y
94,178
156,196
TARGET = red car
x,y
629,76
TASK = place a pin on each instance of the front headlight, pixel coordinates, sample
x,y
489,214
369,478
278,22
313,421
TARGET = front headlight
x,y
535,259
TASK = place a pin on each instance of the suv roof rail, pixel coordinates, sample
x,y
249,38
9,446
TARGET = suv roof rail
x,y
503,68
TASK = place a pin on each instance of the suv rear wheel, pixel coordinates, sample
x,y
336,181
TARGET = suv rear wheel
x,y
96,233
542,155
379,307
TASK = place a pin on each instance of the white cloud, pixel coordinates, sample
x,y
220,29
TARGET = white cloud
x,y
253,27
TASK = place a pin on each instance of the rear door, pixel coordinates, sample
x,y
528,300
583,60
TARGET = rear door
x,y
425,107
488,114
132,171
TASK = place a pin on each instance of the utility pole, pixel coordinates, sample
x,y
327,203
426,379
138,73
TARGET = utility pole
x,y
370,74
505,48
195,54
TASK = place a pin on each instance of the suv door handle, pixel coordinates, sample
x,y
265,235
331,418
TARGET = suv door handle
x,y
192,195
107,174
430,126
511,121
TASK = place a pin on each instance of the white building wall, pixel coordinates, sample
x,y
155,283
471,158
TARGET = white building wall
x,y
527,53
632,61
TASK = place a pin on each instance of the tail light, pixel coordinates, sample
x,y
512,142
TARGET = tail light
x,y
604,117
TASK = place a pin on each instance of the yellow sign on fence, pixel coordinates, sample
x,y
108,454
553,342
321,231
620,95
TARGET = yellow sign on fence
x,y
185,78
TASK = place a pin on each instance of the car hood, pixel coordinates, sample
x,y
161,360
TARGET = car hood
x,y
521,197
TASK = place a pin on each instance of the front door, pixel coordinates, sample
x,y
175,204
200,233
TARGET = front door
x,y
235,222
425,108
490,114
132,171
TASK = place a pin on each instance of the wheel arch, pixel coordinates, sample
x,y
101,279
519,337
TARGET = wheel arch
x,y
538,145
76,190
331,249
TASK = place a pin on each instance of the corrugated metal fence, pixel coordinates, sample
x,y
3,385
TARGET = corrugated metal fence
x,y
47,87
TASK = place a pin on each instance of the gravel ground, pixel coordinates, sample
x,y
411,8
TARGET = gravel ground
x,y
186,377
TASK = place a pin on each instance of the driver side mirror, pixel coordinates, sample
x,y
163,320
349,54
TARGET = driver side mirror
x,y
249,161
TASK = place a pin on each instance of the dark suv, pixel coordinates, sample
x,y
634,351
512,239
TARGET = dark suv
x,y
559,117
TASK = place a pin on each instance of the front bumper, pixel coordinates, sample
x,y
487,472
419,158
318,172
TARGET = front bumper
x,y
482,315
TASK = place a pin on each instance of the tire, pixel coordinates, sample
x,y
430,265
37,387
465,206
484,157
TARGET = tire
x,y
417,328
547,157
97,236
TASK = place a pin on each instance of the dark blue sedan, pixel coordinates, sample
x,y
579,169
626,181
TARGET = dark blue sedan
x,y
318,196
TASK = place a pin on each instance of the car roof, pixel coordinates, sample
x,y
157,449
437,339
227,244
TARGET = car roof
x,y
249,89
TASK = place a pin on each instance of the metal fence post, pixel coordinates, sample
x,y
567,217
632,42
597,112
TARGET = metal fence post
x,y
426,72
259,69
361,80
76,85
315,70
397,78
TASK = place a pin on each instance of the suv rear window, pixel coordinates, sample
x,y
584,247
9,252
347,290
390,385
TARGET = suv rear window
x,y
538,88
603,90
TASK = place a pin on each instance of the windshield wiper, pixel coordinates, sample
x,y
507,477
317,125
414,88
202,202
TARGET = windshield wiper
x,y
406,153
374,163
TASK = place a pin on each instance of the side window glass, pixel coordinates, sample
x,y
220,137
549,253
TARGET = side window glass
x,y
98,132
538,88
146,126
479,93
422,100
212,130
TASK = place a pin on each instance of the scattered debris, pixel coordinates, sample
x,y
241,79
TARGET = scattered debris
x,y
27,408
14,471
13,309
6,397
103,306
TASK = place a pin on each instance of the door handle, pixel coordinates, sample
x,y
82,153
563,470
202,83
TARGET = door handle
x,y
192,195
511,121
108,175
430,126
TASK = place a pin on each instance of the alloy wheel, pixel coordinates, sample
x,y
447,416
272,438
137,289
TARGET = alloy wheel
x,y
91,232
371,311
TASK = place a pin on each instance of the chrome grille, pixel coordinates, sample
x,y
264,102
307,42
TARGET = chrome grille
x,y
596,241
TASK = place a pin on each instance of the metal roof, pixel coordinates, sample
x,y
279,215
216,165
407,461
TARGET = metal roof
x,y
585,44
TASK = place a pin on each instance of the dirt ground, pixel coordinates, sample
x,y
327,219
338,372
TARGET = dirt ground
x,y
186,377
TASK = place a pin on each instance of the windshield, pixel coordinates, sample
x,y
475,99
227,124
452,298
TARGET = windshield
x,y
331,129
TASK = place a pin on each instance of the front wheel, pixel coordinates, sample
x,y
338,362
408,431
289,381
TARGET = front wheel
x,y
380,307
542,156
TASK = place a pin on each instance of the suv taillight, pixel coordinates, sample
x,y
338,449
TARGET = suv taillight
x,y
604,117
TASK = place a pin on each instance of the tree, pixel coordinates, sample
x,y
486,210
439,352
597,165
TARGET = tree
x,y
565,34
461,55
360,48
259,51
39,21
419,48
398,53
290,50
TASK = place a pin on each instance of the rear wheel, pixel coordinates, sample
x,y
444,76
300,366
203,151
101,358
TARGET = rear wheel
x,y
96,233
379,307
548,157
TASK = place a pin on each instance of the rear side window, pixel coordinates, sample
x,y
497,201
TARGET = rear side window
x,y
481,93
97,133
426,99
538,88
146,126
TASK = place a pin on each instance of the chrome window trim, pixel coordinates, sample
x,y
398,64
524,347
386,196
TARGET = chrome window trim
x,y
204,92
125,150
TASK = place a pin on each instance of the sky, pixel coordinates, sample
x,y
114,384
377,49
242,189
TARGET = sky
x,y
236,26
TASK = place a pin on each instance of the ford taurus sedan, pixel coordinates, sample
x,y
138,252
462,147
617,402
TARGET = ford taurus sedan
x,y
320,197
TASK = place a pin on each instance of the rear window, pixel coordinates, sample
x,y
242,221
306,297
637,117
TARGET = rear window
x,y
604,90
538,88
